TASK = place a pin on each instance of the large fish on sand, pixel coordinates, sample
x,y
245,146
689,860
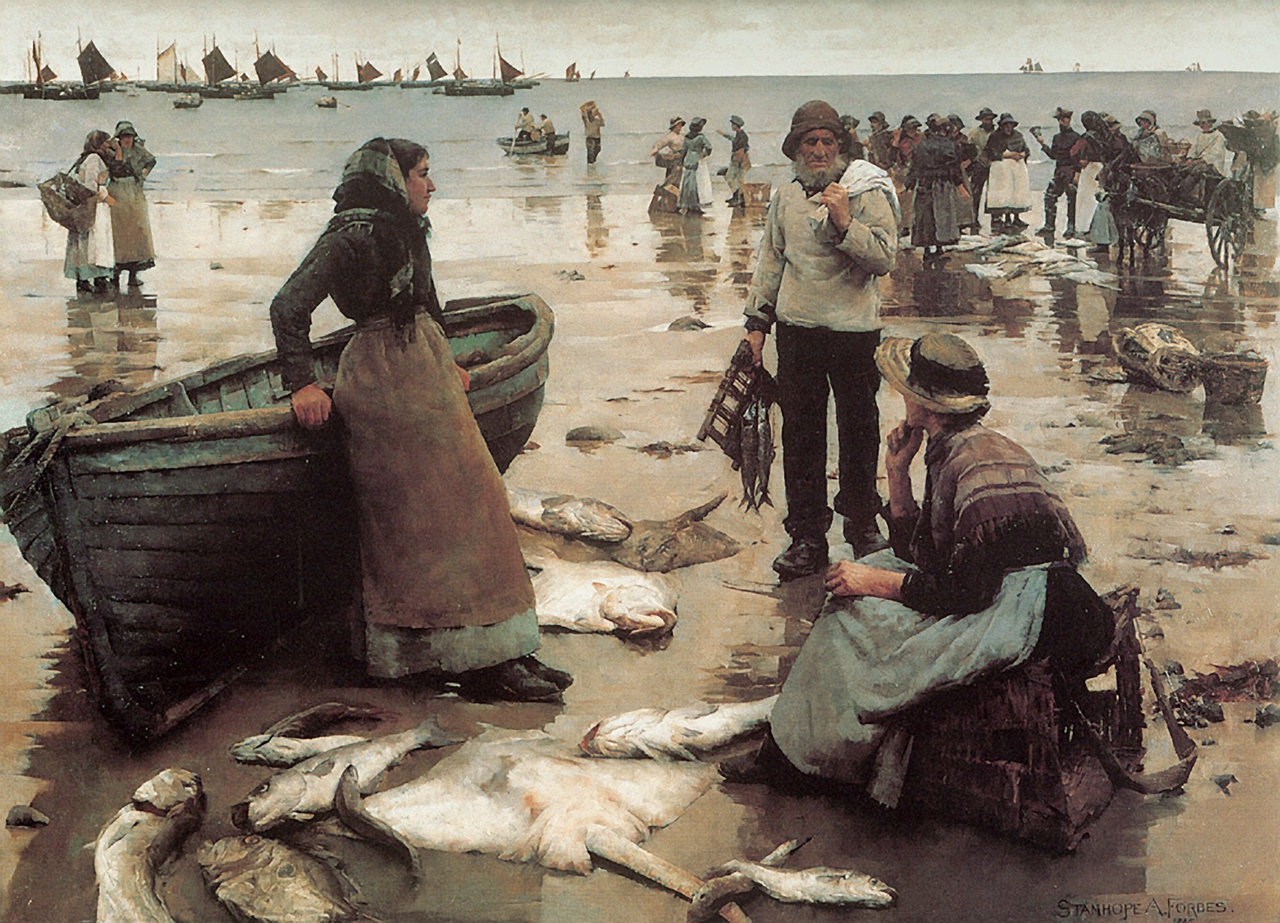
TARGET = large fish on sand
x,y
307,789
578,517
828,886
526,796
136,843
601,596
675,734
293,738
265,881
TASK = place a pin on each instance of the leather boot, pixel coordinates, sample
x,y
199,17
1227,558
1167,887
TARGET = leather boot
x,y
1050,215
805,557
558,678
865,538
510,681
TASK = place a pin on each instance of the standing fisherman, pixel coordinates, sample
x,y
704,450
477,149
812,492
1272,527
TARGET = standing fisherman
x,y
592,122
828,237
1066,169
980,169
445,591
739,160
130,222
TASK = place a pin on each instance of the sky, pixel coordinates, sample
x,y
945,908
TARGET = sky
x,y
662,38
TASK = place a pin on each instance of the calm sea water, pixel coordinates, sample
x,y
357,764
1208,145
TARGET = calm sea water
x,y
287,148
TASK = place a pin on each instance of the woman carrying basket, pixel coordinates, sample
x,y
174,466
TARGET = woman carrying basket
x,y
90,258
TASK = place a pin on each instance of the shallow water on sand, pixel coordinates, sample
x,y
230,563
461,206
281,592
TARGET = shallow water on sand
x,y
614,363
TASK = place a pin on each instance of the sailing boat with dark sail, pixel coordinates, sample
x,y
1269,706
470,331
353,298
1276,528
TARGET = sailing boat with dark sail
x,y
94,69
462,86
571,73
218,70
436,74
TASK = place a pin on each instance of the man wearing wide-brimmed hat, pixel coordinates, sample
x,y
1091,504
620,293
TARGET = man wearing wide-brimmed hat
x,y
880,141
1210,146
982,576
980,169
827,237
1065,170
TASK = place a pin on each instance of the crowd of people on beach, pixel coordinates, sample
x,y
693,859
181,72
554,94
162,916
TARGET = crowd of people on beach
x,y
117,239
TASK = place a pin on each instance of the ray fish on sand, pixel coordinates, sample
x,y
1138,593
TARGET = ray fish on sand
x,y
677,733
525,796
307,789
135,844
601,596
265,881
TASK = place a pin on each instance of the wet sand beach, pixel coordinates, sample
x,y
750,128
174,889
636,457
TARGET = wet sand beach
x,y
615,363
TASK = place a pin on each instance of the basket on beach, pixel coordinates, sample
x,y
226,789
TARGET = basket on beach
x,y
1233,379
68,202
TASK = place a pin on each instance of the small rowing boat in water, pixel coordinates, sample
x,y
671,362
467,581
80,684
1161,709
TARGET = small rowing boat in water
x,y
190,525
534,147
188,101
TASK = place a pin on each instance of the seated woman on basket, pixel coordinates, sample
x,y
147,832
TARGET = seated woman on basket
x,y
982,577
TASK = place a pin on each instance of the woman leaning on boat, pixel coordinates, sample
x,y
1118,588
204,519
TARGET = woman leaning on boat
x,y
445,591
130,222
90,255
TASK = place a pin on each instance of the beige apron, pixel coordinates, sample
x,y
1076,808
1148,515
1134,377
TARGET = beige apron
x,y
437,544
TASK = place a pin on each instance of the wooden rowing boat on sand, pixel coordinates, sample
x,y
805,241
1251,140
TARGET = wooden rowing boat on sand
x,y
190,525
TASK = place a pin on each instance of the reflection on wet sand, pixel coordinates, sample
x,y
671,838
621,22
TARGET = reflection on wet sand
x,y
109,337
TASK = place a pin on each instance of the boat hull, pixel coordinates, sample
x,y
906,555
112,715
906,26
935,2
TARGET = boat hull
x,y
196,524
479,89
534,147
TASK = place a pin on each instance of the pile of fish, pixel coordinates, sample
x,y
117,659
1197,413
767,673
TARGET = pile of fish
x,y
601,596
518,795
577,517
675,734
1020,256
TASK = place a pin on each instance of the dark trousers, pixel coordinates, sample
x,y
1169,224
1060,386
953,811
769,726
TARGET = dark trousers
x,y
550,138
1063,183
978,175
593,149
812,364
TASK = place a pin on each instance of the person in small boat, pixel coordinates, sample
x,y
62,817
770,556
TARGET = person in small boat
x,y
524,125
547,132
90,256
982,576
668,153
130,221
696,147
445,591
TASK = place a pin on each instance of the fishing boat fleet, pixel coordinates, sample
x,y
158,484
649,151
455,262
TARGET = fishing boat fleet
x,y
224,80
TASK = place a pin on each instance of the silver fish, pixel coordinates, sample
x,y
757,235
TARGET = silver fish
x,y
766,452
310,721
266,881
135,843
280,752
819,885
750,454
579,517
675,734
307,789
601,596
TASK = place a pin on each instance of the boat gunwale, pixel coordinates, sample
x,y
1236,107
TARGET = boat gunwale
x,y
530,347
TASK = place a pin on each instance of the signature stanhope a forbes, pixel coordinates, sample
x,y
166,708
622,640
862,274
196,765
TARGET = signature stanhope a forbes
x,y
1139,907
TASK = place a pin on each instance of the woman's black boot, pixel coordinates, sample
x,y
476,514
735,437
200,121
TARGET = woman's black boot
x,y
510,681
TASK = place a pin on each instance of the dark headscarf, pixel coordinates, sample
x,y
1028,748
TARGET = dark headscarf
x,y
372,191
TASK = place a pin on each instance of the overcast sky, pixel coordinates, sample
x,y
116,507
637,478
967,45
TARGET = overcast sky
x,y
666,38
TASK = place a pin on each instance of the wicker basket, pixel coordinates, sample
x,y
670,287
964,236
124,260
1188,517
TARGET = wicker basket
x,y
1233,379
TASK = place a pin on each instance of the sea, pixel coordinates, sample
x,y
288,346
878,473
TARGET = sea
x,y
287,148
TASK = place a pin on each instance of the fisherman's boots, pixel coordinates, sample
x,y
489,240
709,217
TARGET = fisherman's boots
x,y
1050,216
865,539
805,557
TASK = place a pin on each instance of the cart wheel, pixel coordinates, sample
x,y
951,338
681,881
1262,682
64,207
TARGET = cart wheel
x,y
1226,221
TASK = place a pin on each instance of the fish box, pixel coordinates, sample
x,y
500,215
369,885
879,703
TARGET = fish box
x,y
756,195
1233,379
664,199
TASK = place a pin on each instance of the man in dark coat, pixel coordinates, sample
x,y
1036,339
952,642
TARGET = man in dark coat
x,y
980,168
1065,170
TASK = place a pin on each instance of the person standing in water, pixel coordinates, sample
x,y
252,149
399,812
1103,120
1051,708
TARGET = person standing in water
x,y
445,591
130,220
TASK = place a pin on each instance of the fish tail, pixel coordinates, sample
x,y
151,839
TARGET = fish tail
x,y
350,806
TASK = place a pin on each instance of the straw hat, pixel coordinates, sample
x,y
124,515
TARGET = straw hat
x,y
939,371
675,120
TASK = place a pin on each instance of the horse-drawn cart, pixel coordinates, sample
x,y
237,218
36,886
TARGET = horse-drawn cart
x,y
1144,196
